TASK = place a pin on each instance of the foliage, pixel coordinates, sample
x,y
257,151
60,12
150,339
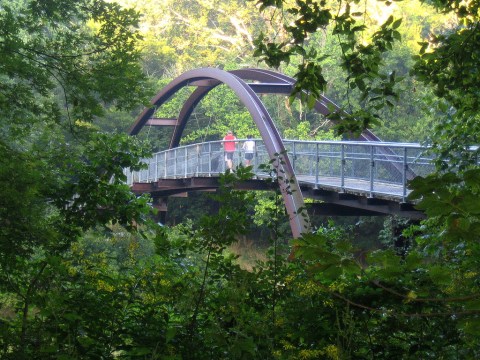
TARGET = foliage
x,y
74,178
361,60
433,277
209,27
303,132
62,65
84,274
181,35
90,65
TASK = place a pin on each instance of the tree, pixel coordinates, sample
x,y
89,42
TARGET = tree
x,y
361,46
433,278
181,35
62,65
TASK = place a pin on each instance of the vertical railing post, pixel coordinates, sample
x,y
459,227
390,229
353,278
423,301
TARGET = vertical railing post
x,y
294,157
404,175
255,158
197,165
165,165
342,168
156,166
151,174
149,170
175,163
317,157
372,168
353,160
186,160
210,159
331,160
310,168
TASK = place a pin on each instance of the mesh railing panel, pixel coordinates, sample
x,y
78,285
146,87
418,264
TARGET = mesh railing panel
x,y
366,166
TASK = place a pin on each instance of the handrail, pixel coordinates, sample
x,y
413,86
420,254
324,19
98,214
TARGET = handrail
x,y
347,166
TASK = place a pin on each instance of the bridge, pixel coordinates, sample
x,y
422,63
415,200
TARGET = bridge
x,y
363,177
349,177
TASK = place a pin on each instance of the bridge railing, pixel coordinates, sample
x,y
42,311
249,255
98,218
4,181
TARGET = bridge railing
x,y
371,168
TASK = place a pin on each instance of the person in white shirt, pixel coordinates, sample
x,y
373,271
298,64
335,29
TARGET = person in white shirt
x,y
249,148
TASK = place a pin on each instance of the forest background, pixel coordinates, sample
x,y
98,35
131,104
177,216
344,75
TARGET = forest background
x,y
86,274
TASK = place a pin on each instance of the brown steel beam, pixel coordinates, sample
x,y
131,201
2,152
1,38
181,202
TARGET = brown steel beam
x,y
333,203
271,88
170,187
362,204
162,122
204,82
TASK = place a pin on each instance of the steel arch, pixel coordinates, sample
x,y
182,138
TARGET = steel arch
x,y
271,79
323,105
208,78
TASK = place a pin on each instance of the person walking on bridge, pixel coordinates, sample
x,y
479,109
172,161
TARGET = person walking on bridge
x,y
249,148
229,148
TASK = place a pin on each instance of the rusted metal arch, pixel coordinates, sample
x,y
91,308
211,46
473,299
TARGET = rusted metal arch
x,y
272,82
208,78
322,105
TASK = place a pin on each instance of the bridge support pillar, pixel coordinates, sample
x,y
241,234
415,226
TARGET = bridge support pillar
x,y
160,204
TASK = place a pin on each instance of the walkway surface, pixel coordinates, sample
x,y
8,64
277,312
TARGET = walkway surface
x,y
371,170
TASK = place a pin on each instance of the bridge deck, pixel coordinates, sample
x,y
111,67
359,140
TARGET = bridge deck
x,y
356,186
372,176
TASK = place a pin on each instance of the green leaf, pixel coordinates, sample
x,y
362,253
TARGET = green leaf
x,y
311,101
440,275
388,22
473,304
470,326
361,84
413,260
396,24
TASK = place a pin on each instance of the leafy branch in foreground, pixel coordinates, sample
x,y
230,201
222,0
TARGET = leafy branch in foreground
x,y
361,59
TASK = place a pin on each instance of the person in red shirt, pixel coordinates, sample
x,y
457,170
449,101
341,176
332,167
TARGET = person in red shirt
x,y
229,147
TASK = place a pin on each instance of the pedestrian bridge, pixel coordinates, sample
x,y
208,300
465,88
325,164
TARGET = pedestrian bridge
x,y
350,177
365,177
